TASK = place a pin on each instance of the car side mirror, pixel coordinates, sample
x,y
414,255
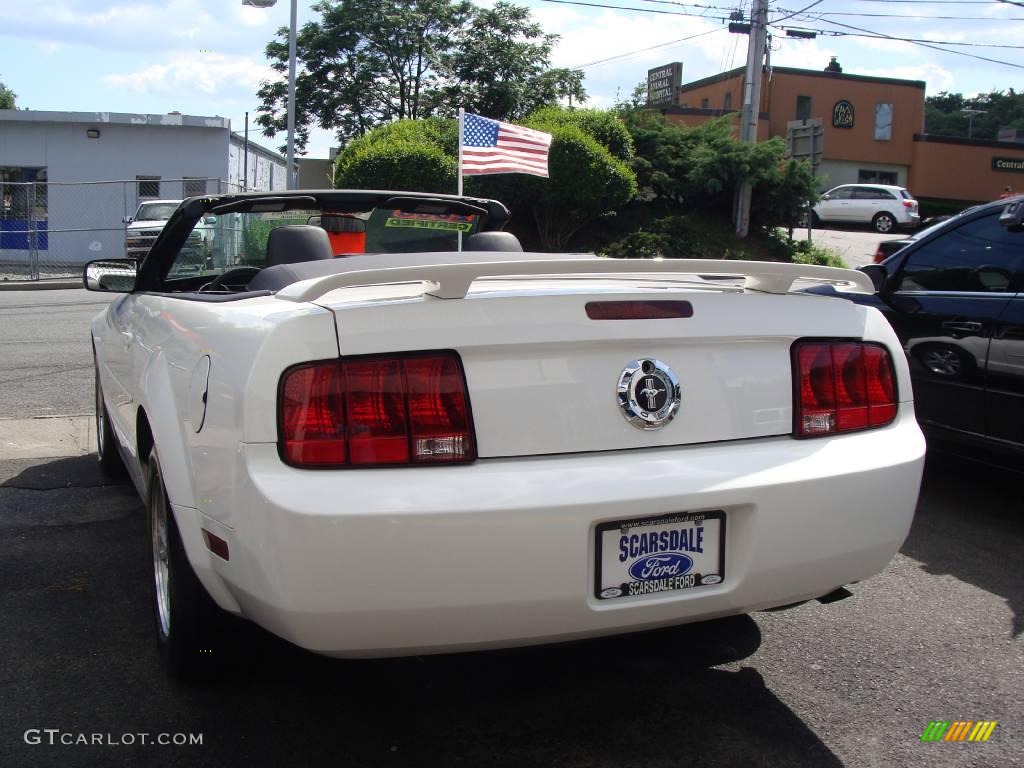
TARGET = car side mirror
x,y
110,275
826,197
878,275
1012,216
126,220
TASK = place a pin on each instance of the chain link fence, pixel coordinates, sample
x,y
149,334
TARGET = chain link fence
x,y
50,229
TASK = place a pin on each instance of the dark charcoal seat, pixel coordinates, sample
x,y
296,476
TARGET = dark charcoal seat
x,y
493,241
295,243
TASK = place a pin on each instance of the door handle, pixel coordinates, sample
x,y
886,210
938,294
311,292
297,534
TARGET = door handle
x,y
965,326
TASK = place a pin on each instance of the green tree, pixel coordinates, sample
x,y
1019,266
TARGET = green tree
x,y
7,97
499,67
981,116
687,179
408,155
366,63
586,179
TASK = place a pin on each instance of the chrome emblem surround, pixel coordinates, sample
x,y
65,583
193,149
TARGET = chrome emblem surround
x,y
649,394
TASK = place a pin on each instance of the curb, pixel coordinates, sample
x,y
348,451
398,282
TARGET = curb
x,y
39,285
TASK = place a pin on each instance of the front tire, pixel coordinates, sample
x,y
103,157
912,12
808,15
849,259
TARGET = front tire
x,y
884,223
187,619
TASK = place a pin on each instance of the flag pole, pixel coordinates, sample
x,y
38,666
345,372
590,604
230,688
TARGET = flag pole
x,y
462,121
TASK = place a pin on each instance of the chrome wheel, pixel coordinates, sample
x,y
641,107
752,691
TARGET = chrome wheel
x,y
944,362
161,556
884,223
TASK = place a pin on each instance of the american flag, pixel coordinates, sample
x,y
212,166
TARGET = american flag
x,y
490,146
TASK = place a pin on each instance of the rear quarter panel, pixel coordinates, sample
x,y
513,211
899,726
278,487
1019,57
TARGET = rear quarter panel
x,y
248,343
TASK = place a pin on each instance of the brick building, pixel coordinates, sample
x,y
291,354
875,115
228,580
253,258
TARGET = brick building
x,y
872,131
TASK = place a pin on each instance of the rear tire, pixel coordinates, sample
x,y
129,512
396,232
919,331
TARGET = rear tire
x,y
884,222
187,619
106,442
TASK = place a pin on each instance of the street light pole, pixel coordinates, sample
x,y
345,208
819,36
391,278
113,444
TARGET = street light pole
x,y
970,119
290,156
290,171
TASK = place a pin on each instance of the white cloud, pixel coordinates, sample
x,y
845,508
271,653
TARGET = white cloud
x,y
140,26
204,72
937,77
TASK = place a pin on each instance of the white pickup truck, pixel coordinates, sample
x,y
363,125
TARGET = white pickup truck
x,y
373,444
148,222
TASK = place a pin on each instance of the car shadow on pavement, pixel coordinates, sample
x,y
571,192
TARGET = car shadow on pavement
x,y
51,474
970,525
79,656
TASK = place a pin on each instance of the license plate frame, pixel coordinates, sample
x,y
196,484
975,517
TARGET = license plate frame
x,y
655,524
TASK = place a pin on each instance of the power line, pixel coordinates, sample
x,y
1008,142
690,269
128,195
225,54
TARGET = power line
x,y
627,54
834,33
796,13
921,43
638,10
933,2
902,16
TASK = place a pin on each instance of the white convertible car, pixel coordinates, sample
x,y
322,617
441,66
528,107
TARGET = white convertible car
x,y
375,427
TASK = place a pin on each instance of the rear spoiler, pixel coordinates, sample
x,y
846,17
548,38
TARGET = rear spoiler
x,y
452,281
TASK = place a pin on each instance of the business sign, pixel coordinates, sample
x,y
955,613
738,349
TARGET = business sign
x,y
842,114
663,82
1013,164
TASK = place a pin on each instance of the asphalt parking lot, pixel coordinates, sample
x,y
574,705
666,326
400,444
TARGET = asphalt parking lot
x,y
936,636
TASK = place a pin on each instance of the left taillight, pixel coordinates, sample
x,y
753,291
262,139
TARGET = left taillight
x,y
842,386
385,410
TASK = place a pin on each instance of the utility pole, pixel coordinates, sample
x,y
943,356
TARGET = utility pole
x,y
751,103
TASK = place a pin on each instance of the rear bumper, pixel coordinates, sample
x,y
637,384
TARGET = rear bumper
x,y
501,553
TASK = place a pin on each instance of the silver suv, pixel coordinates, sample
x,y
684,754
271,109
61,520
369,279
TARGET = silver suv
x,y
883,206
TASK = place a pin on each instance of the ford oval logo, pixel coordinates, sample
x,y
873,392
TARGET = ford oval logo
x,y
660,566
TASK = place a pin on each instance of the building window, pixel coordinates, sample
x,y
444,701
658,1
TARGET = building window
x,y
803,107
883,122
149,186
727,102
194,187
704,103
877,177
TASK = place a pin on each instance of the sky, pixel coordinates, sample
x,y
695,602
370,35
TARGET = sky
x,y
205,57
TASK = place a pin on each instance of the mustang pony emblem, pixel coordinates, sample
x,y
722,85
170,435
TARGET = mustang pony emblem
x,y
648,393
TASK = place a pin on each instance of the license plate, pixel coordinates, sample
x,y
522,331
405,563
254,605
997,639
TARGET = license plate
x,y
655,555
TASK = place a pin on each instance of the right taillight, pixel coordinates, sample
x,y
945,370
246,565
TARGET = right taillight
x,y
842,386
386,410
879,255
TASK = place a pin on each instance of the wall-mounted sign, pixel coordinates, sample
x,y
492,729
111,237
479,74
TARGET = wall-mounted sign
x,y
842,114
1013,164
663,82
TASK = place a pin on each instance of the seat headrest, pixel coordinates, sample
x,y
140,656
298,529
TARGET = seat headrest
x,y
492,241
294,243
341,223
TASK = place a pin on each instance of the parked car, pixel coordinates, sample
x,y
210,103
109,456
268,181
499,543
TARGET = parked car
x,y
401,448
145,226
887,248
954,297
884,207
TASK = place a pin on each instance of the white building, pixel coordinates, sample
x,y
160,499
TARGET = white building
x,y
67,179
